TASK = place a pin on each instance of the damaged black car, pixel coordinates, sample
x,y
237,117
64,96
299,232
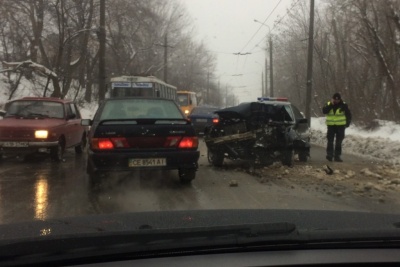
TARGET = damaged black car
x,y
261,133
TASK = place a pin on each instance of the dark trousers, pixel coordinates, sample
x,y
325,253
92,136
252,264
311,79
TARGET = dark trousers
x,y
338,132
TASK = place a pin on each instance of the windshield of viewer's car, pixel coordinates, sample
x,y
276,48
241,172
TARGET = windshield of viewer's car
x,y
290,113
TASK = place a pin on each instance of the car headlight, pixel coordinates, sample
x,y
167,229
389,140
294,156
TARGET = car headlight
x,y
42,134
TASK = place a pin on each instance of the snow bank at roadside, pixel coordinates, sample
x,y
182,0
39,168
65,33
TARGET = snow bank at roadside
x,y
382,143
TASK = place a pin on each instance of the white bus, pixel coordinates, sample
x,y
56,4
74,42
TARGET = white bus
x,y
150,86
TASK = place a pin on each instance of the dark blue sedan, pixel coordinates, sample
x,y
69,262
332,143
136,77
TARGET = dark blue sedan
x,y
201,117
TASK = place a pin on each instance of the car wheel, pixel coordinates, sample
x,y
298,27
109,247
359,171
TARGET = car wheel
x,y
186,176
81,147
57,152
288,158
303,156
215,158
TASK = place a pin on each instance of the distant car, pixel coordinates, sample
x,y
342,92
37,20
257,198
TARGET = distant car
x,y
41,125
201,117
141,134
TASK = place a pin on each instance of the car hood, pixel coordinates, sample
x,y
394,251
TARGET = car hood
x,y
30,123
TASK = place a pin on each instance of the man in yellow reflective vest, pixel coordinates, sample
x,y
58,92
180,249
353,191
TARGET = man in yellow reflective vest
x,y
338,118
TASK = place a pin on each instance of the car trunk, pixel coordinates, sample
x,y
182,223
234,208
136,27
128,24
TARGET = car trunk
x,y
144,134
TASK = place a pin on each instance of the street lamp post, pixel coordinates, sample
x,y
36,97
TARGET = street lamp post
x,y
271,68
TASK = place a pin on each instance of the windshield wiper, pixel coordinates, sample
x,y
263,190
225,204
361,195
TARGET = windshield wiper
x,y
136,240
37,115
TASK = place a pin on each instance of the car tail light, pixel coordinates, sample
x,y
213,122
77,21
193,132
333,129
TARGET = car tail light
x,y
189,142
172,141
215,121
109,143
105,144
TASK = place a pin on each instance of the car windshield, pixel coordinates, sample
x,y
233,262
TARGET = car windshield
x,y
158,115
35,108
183,99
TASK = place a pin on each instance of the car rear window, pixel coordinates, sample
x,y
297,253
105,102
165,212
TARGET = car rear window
x,y
140,109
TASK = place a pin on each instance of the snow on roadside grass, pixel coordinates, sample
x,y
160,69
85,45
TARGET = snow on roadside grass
x,y
88,110
381,144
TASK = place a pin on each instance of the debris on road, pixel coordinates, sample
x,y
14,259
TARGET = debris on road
x,y
233,183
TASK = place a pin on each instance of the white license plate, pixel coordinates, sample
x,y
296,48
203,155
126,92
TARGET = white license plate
x,y
201,120
150,162
15,144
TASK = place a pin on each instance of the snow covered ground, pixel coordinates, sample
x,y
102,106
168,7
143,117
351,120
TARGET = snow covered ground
x,y
382,143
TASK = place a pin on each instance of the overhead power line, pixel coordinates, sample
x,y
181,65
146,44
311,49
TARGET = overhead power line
x,y
276,24
254,35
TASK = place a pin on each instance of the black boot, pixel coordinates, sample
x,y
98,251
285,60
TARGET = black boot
x,y
328,157
338,159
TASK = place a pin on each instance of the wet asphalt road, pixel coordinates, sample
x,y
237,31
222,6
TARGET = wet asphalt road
x,y
41,189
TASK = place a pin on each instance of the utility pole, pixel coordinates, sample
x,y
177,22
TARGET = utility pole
x,y
266,77
310,63
262,83
226,96
102,51
208,87
165,58
271,68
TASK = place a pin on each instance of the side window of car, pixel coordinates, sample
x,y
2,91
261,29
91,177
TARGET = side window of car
x,y
75,111
297,113
289,114
69,111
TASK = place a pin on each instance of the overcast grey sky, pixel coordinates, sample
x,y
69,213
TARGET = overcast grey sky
x,y
228,27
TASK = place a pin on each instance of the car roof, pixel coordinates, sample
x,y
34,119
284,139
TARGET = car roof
x,y
54,99
205,107
275,102
138,97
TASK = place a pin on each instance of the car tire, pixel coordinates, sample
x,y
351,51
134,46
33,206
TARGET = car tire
x,y
186,176
303,156
57,153
215,158
288,158
81,147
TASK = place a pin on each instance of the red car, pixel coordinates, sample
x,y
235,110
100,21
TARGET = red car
x,y
41,125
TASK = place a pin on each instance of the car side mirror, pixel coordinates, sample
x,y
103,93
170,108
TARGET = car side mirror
x,y
302,124
86,122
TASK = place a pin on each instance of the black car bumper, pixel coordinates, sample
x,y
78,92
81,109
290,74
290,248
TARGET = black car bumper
x,y
115,161
199,128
